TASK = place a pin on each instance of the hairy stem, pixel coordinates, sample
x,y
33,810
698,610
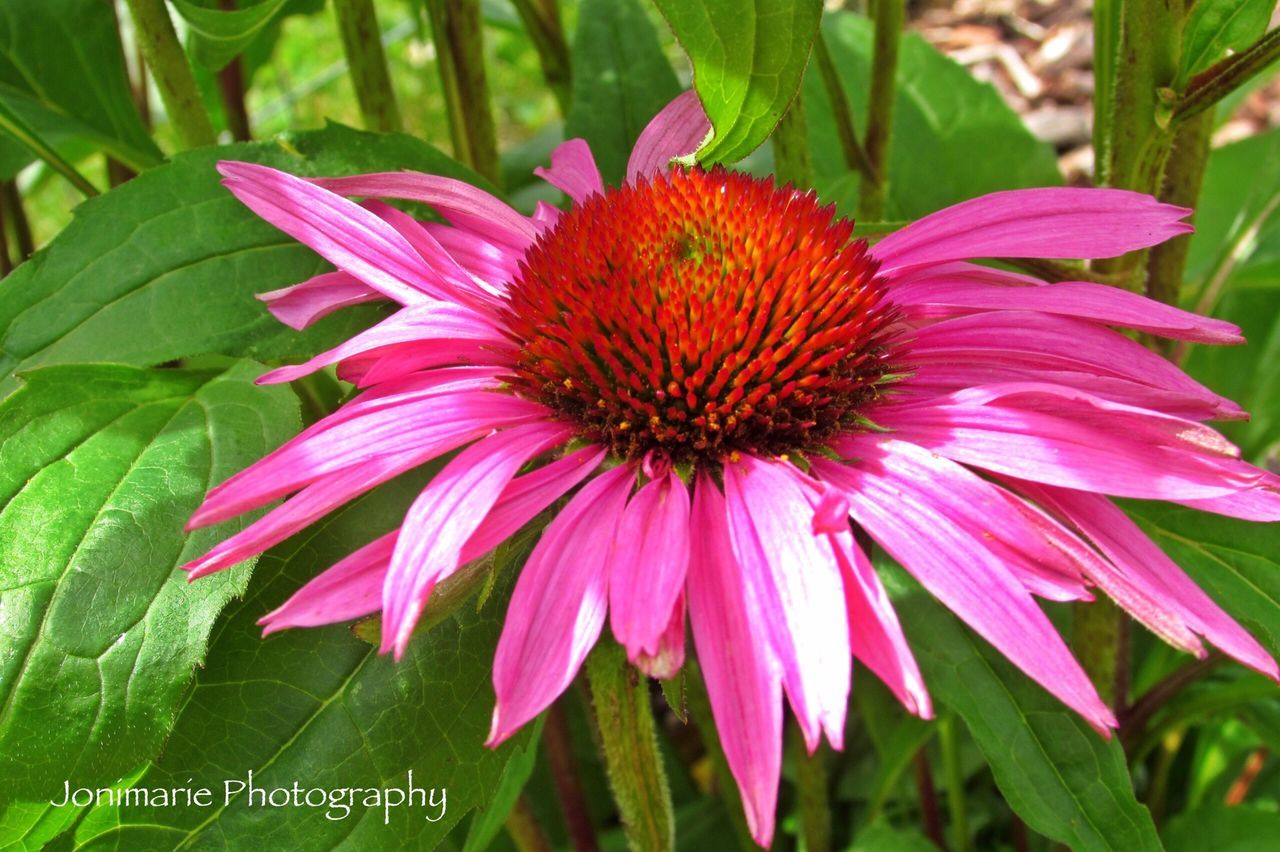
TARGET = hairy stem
x,y
564,772
854,157
459,41
1216,83
168,63
627,732
362,45
791,160
1134,723
525,832
957,809
888,16
811,789
1184,173
1096,639
542,21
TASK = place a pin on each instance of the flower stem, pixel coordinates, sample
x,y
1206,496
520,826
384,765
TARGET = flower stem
x,y
459,42
888,16
957,809
627,731
522,826
168,63
1096,638
564,772
704,721
811,788
1183,174
231,87
854,156
1134,723
928,798
11,202
791,160
1213,85
546,31
362,45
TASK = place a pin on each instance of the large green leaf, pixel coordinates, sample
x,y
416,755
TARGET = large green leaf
x,y
1243,828
1062,778
100,466
63,58
748,60
166,265
621,78
945,123
1218,26
321,708
217,35
1237,562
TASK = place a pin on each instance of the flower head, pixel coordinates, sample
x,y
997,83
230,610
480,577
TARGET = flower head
x,y
721,379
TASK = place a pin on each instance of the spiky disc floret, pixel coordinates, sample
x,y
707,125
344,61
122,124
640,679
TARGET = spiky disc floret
x,y
701,314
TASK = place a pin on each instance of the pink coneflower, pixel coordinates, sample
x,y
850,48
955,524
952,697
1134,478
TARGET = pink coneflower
x,y
729,378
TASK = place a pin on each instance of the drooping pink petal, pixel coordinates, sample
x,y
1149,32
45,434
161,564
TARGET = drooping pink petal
x,y
1060,222
737,660
458,201
302,304
959,288
912,521
351,588
432,425
648,572
343,233
558,607
573,171
678,130
452,283
439,332
445,515
874,630
300,511
1260,501
528,495
1146,582
1061,436
487,260
1012,346
668,658
800,588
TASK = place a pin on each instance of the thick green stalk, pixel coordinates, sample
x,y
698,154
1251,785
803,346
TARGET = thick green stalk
x,y
459,41
854,157
888,16
1183,174
811,789
953,772
168,63
627,732
362,45
792,162
546,31
1096,630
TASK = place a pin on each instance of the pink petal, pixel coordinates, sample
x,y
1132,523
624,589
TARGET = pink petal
x,y
1147,583
913,522
484,259
647,575
801,594
1004,346
738,665
668,658
302,304
678,130
431,426
573,171
1060,436
351,588
559,603
1056,222
309,505
445,515
459,202
528,495
874,630
962,288
439,333
343,233
1259,502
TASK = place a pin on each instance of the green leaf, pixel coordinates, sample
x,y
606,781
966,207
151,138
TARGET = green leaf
x,y
102,465
1235,561
621,78
1218,26
1243,828
167,265
31,825
218,36
945,123
63,58
321,708
1061,777
748,60
885,838
488,823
